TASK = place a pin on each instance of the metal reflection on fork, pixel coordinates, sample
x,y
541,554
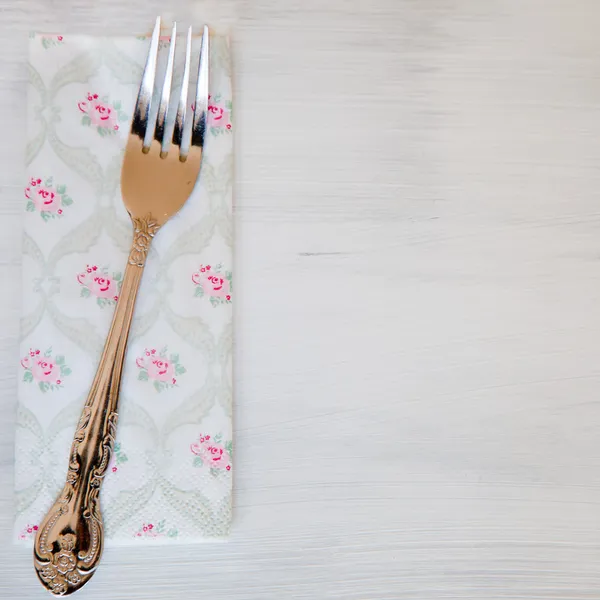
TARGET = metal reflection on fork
x,y
156,181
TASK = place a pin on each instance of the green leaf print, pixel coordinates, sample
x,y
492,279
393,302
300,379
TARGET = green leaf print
x,y
118,276
172,533
160,527
229,447
159,386
60,359
43,386
198,462
85,120
199,291
180,370
45,216
85,293
65,371
28,376
67,200
218,438
174,358
143,375
61,189
30,207
48,352
117,105
117,447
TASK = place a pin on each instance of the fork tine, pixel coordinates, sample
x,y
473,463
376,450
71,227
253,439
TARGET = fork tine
x,y
181,108
163,107
201,104
144,100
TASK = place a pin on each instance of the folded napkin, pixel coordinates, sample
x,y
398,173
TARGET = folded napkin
x,y
171,471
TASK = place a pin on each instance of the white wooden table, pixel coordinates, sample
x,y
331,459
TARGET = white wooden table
x,y
418,244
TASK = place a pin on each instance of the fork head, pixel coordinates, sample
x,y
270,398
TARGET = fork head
x,y
159,173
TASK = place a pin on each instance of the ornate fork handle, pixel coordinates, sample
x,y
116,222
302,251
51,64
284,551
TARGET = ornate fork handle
x,y
69,542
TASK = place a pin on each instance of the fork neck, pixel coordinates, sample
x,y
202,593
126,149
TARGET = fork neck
x,y
113,355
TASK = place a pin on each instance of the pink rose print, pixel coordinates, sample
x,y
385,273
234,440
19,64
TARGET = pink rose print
x,y
213,283
28,532
151,530
160,368
98,283
98,113
163,41
219,115
212,453
47,371
118,458
46,199
104,287
49,41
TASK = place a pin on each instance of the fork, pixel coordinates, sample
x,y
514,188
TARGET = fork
x,y
156,180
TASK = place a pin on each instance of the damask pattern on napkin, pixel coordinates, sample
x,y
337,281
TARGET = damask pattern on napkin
x,y
171,473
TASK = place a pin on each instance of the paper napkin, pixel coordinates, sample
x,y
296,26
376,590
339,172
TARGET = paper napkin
x,y
171,473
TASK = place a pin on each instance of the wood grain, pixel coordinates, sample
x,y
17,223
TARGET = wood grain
x,y
418,258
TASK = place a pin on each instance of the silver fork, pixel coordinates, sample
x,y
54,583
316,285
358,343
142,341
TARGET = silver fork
x,y
156,181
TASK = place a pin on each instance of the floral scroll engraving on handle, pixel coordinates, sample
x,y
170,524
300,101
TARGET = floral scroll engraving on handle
x,y
61,572
92,511
65,563
144,230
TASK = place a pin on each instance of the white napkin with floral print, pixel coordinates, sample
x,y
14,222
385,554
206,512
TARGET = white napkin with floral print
x,y
171,472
